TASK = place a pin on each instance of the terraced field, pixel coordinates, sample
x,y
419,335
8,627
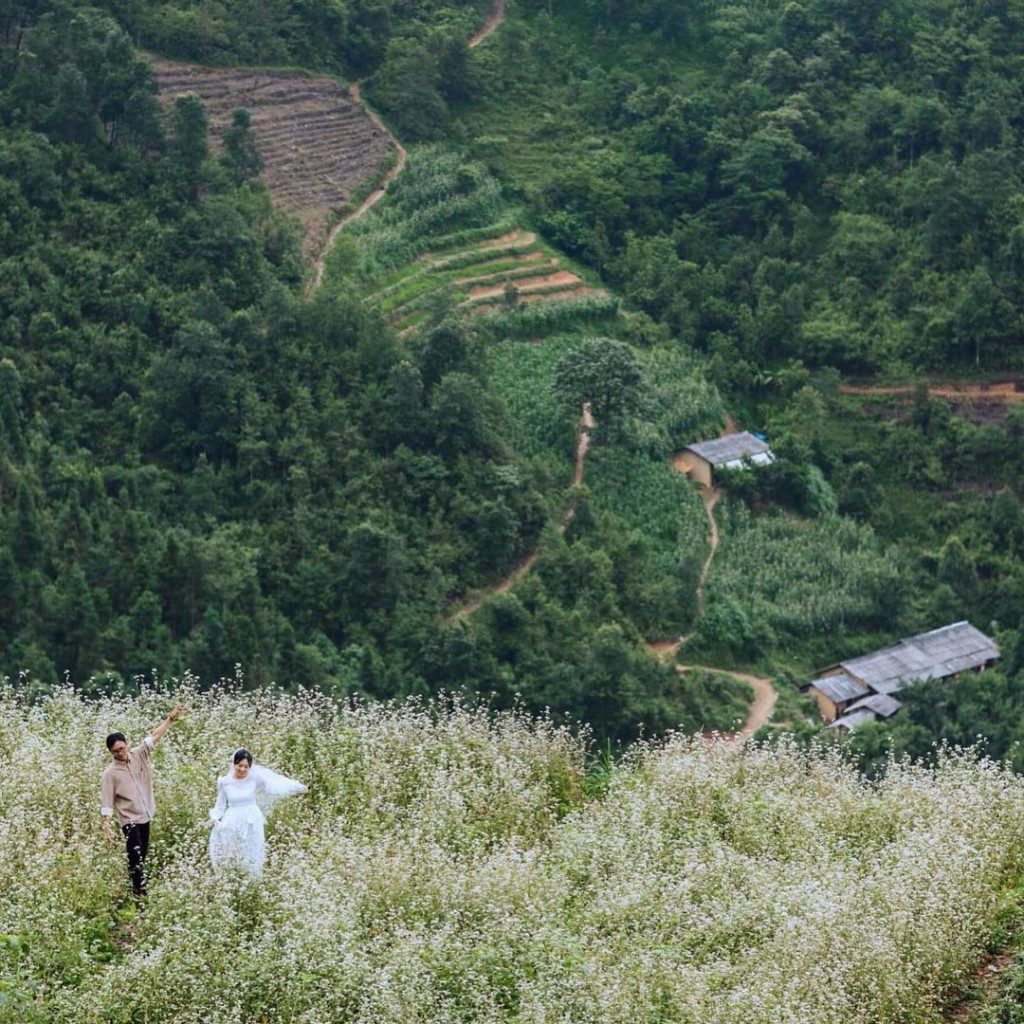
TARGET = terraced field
x,y
496,273
320,147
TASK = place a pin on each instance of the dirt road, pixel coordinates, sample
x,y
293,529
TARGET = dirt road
x,y
1006,391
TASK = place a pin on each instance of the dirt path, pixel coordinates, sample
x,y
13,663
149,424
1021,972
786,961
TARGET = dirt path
x,y
582,447
985,989
765,694
1001,392
667,649
579,462
371,200
761,710
494,19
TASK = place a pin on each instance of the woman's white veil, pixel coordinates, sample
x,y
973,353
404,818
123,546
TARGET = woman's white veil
x,y
270,785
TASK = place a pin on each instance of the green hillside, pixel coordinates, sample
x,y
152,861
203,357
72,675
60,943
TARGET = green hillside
x,y
441,478
200,468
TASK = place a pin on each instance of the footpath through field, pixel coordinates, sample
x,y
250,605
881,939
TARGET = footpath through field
x,y
765,694
494,19
582,446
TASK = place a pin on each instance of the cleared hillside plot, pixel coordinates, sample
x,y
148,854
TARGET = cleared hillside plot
x,y
445,234
494,275
319,147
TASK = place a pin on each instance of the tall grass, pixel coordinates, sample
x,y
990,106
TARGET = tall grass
x,y
446,867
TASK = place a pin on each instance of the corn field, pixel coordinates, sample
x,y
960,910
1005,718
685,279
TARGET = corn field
x,y
437,200
780,575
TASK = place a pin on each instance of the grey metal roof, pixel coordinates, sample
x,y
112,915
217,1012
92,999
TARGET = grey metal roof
x,y
880,704
935,655
839,687
853,718
731,448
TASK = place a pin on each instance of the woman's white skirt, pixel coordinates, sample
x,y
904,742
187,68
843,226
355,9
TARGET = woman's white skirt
x,y
236,841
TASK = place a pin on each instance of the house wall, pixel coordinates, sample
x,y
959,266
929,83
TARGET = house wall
x,y
830,711
694,467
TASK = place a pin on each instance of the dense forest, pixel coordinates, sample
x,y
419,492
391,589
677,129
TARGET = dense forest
x,y
201,467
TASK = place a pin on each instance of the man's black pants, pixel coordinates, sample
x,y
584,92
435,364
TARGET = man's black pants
x,y
136,841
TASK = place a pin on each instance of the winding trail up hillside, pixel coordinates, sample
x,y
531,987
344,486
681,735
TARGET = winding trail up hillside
x,y
582,445
372,199
667,649
494,19
765,694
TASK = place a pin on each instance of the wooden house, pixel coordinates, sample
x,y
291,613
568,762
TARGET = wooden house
x,y
846,688
835,692
729,452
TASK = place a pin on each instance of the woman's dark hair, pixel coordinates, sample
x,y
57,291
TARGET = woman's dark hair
x,y
115,737
241,754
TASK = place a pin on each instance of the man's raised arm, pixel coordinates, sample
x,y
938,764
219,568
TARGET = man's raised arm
x,y
166,723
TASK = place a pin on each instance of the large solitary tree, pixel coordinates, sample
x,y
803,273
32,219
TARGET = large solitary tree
x,y
602,372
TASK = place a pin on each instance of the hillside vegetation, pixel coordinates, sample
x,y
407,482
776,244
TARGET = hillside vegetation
x,y
200,468
828,181
450,866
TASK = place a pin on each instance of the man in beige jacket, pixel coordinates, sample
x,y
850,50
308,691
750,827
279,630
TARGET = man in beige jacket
x,y
126,789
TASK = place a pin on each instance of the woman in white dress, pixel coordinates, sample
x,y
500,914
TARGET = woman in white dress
x,y
244,798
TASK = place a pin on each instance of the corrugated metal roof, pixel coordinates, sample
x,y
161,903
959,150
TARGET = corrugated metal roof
x,y
935,655
853,718
731,448
839,687
880,703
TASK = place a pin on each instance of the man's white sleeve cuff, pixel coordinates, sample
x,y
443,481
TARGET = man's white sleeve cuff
x,y
150,743
106,811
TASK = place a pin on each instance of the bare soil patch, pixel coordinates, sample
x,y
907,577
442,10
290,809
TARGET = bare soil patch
x,y
525,285
559,296
514,237
983,990
520,257
318,144
503,275
981,403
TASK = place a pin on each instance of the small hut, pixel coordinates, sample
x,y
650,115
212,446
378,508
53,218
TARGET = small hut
x,y
875,708
729,452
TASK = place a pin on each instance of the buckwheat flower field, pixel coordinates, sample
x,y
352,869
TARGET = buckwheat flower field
x,y
453,866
